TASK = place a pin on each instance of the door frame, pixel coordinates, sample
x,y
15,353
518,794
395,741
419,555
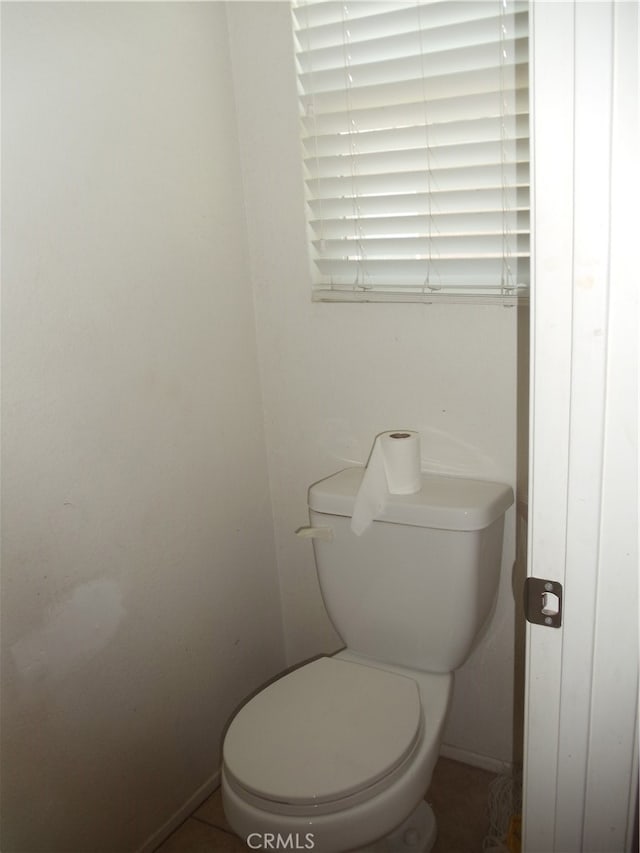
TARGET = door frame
x,y
580,741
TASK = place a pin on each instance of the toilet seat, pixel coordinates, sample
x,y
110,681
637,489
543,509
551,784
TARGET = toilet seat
x,y
325,736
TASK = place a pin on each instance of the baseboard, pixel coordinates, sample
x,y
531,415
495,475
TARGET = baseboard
x,y
465,756
181,814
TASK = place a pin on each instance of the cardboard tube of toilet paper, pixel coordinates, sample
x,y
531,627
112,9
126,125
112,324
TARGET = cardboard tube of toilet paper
x,y
393,468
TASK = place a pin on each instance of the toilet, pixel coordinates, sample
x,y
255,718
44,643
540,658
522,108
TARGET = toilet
x,y
337,755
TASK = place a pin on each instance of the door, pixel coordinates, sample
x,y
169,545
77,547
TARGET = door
x,y
581,684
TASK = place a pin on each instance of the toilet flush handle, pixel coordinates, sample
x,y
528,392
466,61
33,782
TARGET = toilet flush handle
x,y
325,533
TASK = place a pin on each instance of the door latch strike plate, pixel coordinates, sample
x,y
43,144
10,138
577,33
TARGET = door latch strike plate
x,y
543,602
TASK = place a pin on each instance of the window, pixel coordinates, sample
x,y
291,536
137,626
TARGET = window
x,y
415,145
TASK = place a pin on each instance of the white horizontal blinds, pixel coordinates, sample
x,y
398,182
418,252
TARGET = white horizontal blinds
x,y
415,133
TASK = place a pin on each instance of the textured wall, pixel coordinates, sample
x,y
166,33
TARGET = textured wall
x,y
140,597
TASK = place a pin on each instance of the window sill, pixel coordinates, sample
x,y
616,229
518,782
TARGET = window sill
x,y
451,298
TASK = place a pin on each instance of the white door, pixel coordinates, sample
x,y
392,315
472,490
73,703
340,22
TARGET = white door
x,y
581,688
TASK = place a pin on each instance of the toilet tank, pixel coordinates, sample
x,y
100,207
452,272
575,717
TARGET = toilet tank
x,y
418,586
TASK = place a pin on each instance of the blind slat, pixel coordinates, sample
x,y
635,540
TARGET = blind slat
x,y
414,136
433,158
477,222
427,248
442,273
455,201
436,182
464,107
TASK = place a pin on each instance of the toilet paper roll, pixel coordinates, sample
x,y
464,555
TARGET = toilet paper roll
x,y
393,468
400,452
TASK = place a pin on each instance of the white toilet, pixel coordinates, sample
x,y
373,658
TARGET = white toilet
x,y
338,754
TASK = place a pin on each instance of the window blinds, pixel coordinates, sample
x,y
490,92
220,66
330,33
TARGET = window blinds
x,y
415,137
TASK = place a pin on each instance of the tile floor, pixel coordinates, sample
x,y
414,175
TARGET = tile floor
x,y
458,794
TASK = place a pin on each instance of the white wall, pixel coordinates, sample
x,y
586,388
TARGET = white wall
x,y
140,597
335,375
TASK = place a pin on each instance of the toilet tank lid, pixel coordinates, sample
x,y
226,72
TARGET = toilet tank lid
x,y
445,503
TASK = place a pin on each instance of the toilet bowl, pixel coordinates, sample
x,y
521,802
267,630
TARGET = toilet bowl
x,y
337,755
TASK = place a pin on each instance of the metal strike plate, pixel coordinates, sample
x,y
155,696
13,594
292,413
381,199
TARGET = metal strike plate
x,y
543,602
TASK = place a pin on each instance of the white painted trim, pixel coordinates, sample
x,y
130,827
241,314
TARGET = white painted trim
x,y
581,700
484,762
552,41
178,817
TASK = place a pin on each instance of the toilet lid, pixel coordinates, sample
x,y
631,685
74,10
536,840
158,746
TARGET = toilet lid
x,y
323,732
